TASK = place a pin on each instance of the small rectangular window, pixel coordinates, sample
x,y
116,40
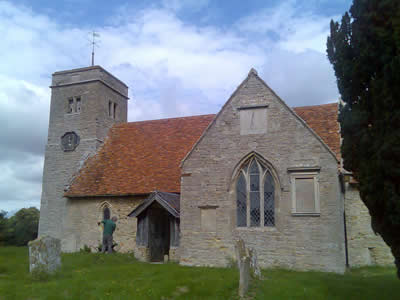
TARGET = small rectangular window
x,y
115,111
70,107
305,193
110,109
78,104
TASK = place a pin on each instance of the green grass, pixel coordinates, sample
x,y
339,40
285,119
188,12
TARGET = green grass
x,y
120,276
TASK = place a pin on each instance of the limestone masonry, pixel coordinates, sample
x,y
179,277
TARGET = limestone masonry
x,y
187,188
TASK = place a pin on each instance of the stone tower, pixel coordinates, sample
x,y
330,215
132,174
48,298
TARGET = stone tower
x,y
85,103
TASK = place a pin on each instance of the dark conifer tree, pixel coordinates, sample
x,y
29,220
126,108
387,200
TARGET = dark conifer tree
x,y
364,49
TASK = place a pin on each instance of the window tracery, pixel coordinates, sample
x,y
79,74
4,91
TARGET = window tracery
x,y
255,196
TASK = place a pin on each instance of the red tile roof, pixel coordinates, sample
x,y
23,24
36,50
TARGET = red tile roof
x,y
323,120
141,157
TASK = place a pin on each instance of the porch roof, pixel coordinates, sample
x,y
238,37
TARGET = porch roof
x,y
170,201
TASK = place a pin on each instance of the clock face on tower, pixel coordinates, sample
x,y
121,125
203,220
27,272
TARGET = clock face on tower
x,y
69,141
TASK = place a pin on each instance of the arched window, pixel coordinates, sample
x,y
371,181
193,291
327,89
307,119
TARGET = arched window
x,y
106,213
255,196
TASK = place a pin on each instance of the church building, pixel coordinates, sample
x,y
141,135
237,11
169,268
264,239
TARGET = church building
x,y
187,188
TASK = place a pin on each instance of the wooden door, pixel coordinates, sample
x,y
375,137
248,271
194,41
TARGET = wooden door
x,y
158,233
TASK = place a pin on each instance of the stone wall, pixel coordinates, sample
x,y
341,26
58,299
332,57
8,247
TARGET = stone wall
x,y
300,242
84,213
364,246
174,254
95,87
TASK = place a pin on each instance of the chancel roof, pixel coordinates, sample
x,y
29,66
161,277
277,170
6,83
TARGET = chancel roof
x,y
142,157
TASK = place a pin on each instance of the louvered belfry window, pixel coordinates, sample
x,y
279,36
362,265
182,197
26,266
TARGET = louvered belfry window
x,y
255,196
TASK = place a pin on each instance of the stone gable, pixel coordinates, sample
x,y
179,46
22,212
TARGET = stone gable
x,y
286,144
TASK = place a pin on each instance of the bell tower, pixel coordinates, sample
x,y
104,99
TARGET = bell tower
x,y
85,103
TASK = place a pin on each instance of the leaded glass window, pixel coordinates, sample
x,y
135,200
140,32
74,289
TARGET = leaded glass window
x,y
269,193
255,196
241,205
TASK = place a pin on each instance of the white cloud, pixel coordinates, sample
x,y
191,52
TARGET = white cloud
x,y
302,78
155,53
20,182
24,111
172,68
296,65
33,46
289,27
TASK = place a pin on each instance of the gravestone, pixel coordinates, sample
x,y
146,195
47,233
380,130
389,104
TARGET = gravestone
x,y
248,266
244,272
244,267
254,267
44,254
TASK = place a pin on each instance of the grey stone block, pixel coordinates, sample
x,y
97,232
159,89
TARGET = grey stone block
x,y
44,254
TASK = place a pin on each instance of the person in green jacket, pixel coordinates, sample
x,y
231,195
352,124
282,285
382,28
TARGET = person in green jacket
x,y
109,228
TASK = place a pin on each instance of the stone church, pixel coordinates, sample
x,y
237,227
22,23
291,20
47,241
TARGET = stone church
x,y
188,187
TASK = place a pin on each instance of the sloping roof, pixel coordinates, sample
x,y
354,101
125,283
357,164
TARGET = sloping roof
x,y
323,120
169,201
141,157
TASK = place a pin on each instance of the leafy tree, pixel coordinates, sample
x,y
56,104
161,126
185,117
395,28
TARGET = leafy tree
x,y
3,226
26,225
22,227
364,50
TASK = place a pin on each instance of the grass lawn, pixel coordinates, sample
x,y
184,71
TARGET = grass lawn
x,y
120,276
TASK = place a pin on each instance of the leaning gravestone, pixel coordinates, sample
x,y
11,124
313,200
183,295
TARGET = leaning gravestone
x,y
244,267
248,266
44,254
244,272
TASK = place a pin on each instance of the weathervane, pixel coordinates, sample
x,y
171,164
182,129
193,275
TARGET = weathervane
x,y
94,42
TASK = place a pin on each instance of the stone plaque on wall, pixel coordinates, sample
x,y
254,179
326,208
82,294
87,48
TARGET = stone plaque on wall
x,y
208,219
253,120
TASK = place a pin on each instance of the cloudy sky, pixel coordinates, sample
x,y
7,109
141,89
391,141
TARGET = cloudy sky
x,y
178,57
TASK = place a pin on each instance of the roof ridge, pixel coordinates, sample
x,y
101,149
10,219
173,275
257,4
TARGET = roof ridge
x,y
316,105
209,115
166,119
